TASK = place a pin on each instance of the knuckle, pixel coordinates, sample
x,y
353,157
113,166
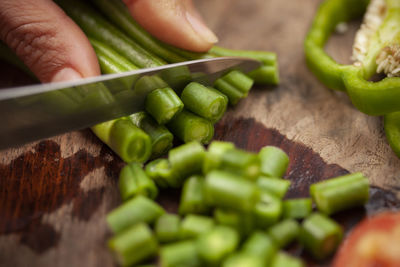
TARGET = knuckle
x,y
35,42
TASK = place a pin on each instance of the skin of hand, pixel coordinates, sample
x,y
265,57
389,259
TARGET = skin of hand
x,y
55,49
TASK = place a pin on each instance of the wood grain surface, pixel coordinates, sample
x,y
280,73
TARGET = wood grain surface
x,y
55,193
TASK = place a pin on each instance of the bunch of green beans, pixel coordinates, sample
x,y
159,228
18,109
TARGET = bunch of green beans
x,y
177,106
231,212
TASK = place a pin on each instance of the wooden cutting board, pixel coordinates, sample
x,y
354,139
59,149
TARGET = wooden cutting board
x,y
55,193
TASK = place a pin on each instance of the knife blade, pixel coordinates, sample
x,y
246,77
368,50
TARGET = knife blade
x,y
35,112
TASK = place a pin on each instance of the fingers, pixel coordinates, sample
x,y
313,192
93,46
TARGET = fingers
x,y
173,21
46,40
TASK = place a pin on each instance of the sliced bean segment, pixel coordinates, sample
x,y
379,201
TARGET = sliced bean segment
x,y
340,193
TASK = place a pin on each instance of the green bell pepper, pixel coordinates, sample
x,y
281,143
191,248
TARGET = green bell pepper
x,y
373,98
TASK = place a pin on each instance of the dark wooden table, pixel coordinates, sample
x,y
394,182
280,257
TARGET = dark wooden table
x,y
55,193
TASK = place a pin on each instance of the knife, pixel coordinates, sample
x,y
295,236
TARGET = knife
x,y
35,112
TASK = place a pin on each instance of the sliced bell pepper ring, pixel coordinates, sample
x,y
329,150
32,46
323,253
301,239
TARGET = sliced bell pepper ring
x,y
328,16
373,98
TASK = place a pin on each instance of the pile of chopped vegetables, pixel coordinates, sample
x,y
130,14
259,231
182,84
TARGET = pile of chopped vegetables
x,y
232,210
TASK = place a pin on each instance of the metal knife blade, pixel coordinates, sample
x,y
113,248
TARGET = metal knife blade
x,y
38,111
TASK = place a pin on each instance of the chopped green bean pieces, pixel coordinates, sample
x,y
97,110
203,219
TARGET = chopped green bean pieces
x,y
274,161
163,104
193,226
340,193
180,254
227,190
134,181
167,228
275,186
243,223
192,197
240,162
136,210
284,232
186,160
234,94
268,210
320,235
298,208
191,127
242,259
215,245
259,244
161,137
239,80
213,157
159,170
282,259
124,138
135,244
204,101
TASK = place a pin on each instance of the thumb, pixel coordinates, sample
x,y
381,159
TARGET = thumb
x,y
49,43
173,21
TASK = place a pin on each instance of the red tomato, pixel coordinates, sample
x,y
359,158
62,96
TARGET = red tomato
x,y
375,242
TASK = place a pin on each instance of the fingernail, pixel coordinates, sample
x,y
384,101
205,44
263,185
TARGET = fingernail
x,y
66,74
201,29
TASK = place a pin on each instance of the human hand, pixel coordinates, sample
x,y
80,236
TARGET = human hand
x,y
55,49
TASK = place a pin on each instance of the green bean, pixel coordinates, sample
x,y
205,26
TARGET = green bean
x,y
284,232
227,190
259,244
267,58
212,159
297,208
177,77
117,12
240,162
340,193
224,156
190,127
136,210
265,75
186,160
204,101
192,197
161,137
95,26
109,60
242,222
320,235
234,94
274,161
242,259
148,84
239,80
275,186
193,226
128,141
134,181
163,104
180,254
268,73
218,243
189,55
268,210
167,228
159,170
282,259
134,245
